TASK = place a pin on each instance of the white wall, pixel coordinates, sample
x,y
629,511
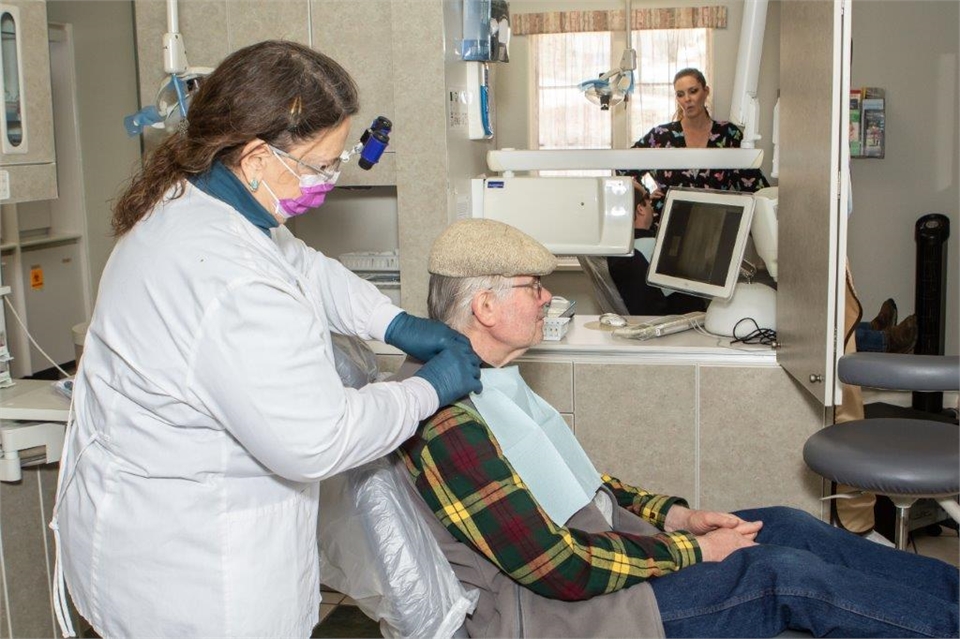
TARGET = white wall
x,y
107,91
911,49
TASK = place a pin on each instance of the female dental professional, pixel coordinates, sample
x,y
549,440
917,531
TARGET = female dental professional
x,y
207,406
694,128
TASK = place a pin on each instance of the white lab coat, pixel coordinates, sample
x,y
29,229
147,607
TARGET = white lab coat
x,y
207,407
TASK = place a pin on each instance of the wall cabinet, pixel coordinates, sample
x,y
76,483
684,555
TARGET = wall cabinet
x,y
723,437
27,154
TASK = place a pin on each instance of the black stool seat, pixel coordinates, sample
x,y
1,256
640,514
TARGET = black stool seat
x,y
889,456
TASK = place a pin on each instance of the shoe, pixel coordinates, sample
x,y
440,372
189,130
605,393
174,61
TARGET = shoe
x,y
902,337
887,317
876,537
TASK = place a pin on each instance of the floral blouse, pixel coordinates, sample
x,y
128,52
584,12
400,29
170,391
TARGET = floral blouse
x,y
722,135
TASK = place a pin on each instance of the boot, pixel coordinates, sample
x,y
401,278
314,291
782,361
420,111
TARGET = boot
x,y
887,317
902,337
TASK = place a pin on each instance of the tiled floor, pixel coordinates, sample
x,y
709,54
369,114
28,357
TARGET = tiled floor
x,y
945,547
331,599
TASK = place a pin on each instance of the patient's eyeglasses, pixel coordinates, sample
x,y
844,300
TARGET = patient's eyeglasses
x,y
535,285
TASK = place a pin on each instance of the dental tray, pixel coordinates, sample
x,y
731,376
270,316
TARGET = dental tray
x,y
554,328
560,307
662,326
371,261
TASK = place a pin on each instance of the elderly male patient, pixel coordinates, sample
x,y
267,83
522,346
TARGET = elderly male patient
x,y
558,549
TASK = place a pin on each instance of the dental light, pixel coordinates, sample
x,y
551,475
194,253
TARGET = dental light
x,y
614,86
173,97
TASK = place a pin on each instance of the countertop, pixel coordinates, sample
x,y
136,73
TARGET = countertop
x,y
33,400
586,340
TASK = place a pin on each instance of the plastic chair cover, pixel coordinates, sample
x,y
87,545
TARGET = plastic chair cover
x,y
375,548
356,363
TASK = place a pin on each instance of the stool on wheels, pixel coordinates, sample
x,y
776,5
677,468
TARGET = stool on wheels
x,y
905,459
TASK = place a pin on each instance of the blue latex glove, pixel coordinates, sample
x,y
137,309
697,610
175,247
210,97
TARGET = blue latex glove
x,y
421,338
454,372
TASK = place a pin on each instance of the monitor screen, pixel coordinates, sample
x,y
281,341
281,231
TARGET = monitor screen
x,y
701,240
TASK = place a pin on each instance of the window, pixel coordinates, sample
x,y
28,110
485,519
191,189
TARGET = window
x,y
660,54
565,119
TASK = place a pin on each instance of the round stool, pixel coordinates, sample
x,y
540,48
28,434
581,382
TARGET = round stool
x,y
904,459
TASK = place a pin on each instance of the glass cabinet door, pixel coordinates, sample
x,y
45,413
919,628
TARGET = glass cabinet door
x,y
12,125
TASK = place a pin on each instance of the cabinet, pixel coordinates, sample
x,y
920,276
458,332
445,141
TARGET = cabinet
x,y
27,154
43,256
724,437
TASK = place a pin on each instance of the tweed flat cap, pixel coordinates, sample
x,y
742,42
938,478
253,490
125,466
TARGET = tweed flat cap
x,y
478,247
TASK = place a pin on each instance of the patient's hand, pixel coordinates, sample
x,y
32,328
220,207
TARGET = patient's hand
x,y
717,544
700,522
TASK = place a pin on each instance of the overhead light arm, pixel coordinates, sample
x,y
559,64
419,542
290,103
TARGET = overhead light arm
x,y
616,85
509,160
173,96
744,106
174,52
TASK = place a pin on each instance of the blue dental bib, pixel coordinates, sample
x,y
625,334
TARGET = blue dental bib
x,y
537,442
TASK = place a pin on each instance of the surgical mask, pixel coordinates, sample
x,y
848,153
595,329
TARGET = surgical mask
x,y
313,190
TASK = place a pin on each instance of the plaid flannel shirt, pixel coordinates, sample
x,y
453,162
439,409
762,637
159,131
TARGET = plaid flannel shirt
x,y
473,490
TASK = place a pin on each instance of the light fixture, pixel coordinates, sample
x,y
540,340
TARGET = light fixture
x,y
612,87
169,109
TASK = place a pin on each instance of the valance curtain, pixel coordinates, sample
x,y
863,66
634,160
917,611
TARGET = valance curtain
x,y
714,17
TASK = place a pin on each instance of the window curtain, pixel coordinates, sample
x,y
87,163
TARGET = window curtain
x,y
565,119
712,17
660,54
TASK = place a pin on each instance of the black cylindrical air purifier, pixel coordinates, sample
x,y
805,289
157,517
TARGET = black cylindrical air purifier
x,y
931,233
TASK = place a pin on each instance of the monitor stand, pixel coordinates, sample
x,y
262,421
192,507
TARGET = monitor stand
x,y
758,301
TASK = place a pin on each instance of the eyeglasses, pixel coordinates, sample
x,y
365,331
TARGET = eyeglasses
x,y
535,285
328,173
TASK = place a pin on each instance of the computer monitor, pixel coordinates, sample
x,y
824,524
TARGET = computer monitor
x,y
700,243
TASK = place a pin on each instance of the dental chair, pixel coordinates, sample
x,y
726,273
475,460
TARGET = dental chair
x,y
905,459
606,293
375,546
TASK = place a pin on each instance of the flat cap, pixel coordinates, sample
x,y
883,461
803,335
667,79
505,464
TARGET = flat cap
x,y
478,247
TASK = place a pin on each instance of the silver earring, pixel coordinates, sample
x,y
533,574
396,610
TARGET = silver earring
x,y
254,184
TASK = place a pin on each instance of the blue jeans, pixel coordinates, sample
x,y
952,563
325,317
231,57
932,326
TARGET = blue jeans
x,y
869,340
808,575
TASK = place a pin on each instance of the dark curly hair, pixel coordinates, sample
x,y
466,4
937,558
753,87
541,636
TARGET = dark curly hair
x,y
280,92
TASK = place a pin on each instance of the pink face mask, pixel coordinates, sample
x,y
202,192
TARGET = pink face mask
x,y
310,198
313,192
